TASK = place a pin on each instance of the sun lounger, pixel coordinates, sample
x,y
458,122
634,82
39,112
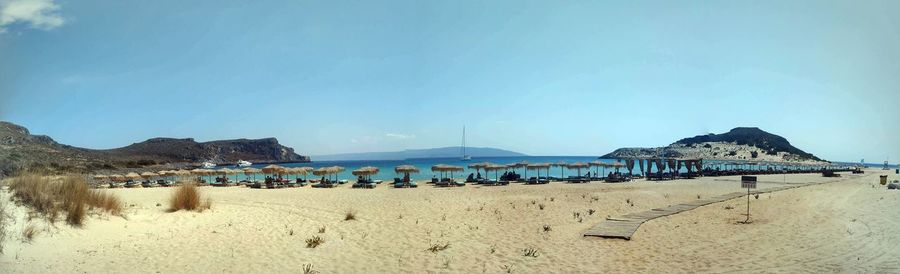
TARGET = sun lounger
x,y
132,184
492,182
536,181
325,184
165,183
447,182
364,184
399,183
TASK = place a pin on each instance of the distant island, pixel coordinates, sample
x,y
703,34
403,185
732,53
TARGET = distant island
x,y
22,151
443,152
742,143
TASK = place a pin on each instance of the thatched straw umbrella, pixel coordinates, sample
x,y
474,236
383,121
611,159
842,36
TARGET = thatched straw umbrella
x,y
561,165
287,172
198,172
522,165
320,172
406,170
496,168
577,166
147,175
328,171
597,164
301,171
446,168
224,171
234,172
366,171
248,171
336,170
133,176
182,173
479,166
538,167
305,170
273,169
165,174
617,166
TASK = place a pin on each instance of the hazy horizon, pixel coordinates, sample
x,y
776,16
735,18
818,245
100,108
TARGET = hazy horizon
x,y
539,78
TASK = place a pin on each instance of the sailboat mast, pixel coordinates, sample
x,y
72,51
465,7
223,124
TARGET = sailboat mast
x,y
464,142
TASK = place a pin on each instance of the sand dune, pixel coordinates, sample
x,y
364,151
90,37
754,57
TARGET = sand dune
x,y
847,226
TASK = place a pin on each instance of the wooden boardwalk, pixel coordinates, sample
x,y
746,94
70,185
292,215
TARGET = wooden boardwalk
x,y
624,226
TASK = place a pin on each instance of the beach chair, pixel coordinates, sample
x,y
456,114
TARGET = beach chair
x,y
147,184
325,184
399,183
447,182
364,183
132,184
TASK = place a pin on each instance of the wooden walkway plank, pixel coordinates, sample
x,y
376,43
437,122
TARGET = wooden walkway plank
x,y
625,226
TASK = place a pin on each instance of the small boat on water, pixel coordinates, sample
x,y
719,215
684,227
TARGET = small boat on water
x,y
208,165
242,163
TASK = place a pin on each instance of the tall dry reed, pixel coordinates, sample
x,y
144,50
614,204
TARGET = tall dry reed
x,y
70,196
187,197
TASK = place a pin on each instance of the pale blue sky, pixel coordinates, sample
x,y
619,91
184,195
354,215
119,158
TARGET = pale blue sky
x,y
539,77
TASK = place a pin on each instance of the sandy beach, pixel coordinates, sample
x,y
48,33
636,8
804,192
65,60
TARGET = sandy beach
x,y
845,226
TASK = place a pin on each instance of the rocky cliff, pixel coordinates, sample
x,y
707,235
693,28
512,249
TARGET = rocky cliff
x,y
743,143
20,150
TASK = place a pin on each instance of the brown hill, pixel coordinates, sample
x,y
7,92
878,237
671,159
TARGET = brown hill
x,y
19,150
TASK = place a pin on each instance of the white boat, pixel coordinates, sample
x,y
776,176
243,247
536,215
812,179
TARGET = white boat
x,y
465,157
242,163
208,165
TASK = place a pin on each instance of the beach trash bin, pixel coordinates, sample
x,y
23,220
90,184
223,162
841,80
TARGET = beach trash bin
x,y
883,179
897,171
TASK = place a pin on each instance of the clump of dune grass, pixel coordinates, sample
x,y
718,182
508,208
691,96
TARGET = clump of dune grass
x,y
70,196
350,215
29,232
438,247
187,197
314,242
322,229
547,228
308,269
530,252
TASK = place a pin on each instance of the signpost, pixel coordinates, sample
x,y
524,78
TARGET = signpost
x,y
748,182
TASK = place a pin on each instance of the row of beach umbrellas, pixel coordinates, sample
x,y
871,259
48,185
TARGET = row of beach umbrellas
x,y
367,171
